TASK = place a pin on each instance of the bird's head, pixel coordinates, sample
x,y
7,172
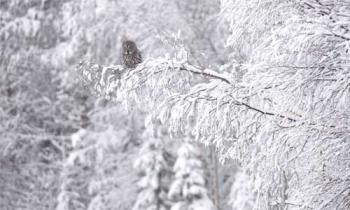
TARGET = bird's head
x,y
129,47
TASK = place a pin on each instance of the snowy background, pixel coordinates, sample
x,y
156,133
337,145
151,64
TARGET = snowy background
x,y
237,105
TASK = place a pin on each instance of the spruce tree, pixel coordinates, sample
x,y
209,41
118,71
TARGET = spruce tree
x,y
153,168
188,190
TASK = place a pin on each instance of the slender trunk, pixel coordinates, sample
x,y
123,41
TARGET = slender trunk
x,y
157,192
216,186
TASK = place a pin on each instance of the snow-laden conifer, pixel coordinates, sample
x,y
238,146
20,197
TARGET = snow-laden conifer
x,y
153,169
188,190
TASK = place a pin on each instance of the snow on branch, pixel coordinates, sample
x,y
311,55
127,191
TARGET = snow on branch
x,y
103,80
205,72
206,104
162,78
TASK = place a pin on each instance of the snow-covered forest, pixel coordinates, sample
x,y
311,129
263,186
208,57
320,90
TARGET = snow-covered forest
x,y
229,105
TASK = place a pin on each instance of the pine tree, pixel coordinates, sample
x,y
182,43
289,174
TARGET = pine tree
x,y
188,190
153,167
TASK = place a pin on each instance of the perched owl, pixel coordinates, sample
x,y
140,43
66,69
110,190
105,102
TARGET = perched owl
x,y
131,55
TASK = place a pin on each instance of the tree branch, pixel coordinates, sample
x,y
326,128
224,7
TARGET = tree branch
x,y
204,72
103,78
213,75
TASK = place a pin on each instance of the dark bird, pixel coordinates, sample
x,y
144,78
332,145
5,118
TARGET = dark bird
x,y
131,55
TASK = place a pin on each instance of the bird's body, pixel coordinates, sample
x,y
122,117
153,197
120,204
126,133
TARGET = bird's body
x,y
131,55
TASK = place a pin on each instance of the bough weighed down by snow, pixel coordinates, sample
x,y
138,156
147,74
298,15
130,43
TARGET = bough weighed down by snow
x,y
107,80
186,97
115,82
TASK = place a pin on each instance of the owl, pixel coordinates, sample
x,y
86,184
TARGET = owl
x,y
130,54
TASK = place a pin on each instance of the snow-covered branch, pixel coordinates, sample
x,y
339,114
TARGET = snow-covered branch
x,y
109,81
205,72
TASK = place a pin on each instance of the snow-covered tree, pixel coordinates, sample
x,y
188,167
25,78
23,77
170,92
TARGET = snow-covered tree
x,y
34,121
243,195
285,98
188,190
99,168
154,173
219,176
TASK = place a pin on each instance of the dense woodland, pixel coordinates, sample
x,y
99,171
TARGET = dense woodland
x,y
237,105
